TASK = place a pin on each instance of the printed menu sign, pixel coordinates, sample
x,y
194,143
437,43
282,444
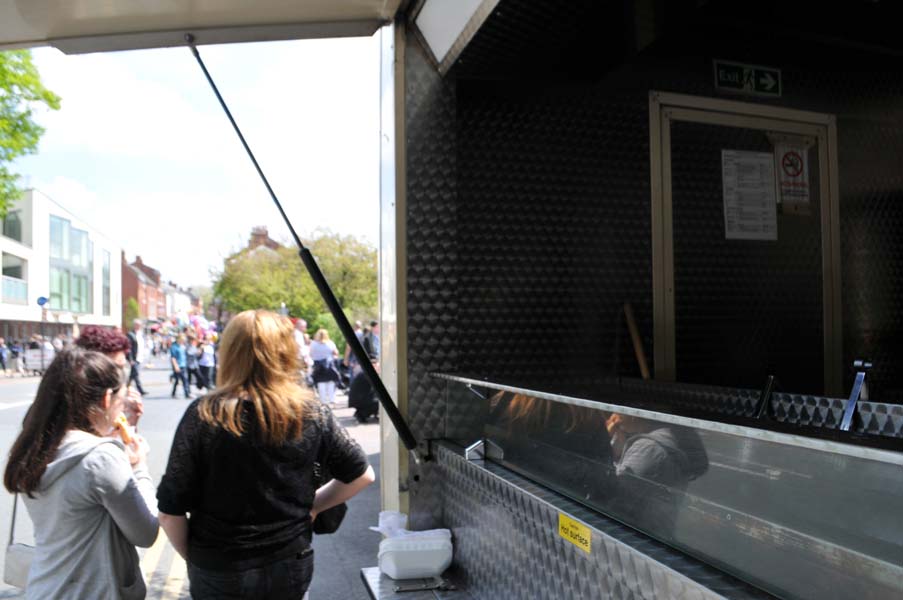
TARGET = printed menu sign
x,y
750,205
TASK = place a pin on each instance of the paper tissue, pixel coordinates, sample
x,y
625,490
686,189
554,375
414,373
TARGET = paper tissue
x,y
411,554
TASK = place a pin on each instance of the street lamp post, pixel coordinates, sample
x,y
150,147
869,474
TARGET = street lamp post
x,y
42,302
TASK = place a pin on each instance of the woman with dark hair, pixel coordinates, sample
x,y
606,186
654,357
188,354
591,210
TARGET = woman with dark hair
x,y
89,496
116,346
242,465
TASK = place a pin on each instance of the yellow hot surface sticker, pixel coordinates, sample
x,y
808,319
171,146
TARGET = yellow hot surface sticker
x,y
575,532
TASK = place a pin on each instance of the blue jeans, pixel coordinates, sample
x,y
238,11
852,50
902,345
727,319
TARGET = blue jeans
x,y
286,578
182,376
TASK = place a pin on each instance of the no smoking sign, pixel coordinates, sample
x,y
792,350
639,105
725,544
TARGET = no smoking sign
x,y
792,164
793,173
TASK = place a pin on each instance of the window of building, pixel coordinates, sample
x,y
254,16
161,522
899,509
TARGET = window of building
x,y
15,286
71,267
60,298
13,266
80,295
78,247
12,225
106,283
59,238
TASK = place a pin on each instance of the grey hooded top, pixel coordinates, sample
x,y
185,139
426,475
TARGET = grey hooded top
x,y
653,474
89,512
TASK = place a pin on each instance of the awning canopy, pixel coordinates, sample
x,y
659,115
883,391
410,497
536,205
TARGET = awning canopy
x,y
80,26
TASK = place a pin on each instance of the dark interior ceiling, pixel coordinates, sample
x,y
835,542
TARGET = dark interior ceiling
x,y
584,39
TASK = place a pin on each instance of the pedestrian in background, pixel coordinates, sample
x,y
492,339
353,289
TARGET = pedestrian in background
x,y
178,358
192,358
89,495
350,359
17,354
137,354
241,465
323,353
207,362
4,356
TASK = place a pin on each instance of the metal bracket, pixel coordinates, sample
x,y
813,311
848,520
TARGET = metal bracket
x,y
476,451
482,449
860,390
421,585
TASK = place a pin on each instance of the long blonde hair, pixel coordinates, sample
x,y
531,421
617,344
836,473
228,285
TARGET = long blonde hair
x,y
258,361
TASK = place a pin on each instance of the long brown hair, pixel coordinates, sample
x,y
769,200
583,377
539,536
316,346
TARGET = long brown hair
x,y
258,362
533,415
69,397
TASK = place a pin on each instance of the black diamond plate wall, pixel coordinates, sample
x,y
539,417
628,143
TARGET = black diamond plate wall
x,y
432,251
744,309
554,230
432,263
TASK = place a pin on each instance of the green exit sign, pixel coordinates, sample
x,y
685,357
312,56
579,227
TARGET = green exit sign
x,y
747,79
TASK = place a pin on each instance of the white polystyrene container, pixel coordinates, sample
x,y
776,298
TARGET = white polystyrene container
x,y
415,557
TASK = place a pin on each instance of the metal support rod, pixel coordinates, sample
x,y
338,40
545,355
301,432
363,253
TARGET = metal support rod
x,y
404,432
765,398
858,392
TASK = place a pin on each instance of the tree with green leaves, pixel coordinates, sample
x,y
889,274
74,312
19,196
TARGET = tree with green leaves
x,y
132,312
266,278
21,91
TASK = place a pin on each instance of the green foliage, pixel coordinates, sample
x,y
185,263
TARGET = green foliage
x,y
21,91
132,312
264,278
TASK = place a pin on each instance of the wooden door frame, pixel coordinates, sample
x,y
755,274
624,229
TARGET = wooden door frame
x,y
664,108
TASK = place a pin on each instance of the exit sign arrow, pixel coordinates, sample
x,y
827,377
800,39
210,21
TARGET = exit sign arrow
x,y
753,80
767,82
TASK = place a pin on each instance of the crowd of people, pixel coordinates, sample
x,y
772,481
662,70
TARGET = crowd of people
x,y
14,360
240,496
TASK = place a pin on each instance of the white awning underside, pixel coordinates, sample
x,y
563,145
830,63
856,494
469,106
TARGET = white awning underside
x,y
78,26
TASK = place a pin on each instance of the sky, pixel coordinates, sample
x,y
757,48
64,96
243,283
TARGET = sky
x,y
141,150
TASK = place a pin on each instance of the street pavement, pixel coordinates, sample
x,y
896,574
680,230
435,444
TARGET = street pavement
x,y
338,557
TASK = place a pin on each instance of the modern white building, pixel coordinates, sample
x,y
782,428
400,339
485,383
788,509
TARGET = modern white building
x,y
49,252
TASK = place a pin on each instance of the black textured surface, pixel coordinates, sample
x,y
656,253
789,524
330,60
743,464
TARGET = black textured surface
x,y
554,232
431,247
529,226
744,309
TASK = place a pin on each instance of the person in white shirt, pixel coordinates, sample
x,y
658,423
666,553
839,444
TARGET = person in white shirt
x,y
323,352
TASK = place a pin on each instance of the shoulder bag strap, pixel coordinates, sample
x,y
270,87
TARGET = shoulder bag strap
x,y
12,525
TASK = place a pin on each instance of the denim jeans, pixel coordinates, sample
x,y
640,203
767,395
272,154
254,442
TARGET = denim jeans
x,y
181,376
287,578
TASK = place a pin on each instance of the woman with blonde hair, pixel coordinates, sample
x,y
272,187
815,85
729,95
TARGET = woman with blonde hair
x,y
242,465
325,374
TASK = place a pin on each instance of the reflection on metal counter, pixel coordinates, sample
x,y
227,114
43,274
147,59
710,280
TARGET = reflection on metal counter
x,y
800,517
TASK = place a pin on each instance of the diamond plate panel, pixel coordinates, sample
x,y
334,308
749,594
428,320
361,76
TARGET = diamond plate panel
x,y
874,418
554,230
506,542
431,250
744,309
